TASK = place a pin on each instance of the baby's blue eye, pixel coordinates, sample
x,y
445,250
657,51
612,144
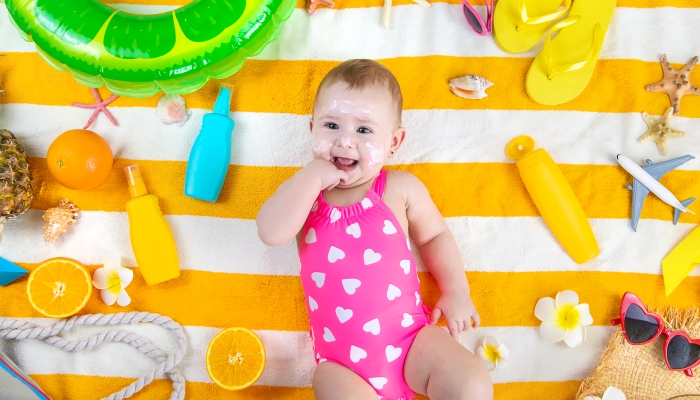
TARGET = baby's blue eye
x,y
331,125
364,130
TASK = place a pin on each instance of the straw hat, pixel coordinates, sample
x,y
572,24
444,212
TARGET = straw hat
x,y
640,371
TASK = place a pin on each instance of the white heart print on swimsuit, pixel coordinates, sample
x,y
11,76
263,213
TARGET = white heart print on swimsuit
x,y
359,273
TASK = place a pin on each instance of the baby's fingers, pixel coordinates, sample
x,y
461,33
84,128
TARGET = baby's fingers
x,y
477,319
435,316
344,177
332,185
453,327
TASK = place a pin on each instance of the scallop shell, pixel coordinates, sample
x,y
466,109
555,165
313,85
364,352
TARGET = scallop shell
x,y
470,86
171,110
58,219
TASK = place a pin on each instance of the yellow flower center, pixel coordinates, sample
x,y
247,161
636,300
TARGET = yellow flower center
x,y
568,316
114,283
492,353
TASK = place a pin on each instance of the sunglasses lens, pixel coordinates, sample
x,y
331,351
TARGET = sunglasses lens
x,y
681,353
639,327
472,19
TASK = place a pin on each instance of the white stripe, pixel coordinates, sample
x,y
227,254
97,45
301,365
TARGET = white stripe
x,y
204,243
439,136
290,358
332,34
492,244
517,244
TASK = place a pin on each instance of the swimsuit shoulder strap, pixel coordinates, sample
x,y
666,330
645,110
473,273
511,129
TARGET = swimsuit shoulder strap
x,y
380,184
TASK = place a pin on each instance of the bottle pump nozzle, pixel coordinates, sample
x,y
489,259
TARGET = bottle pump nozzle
x,y
223,101
135,180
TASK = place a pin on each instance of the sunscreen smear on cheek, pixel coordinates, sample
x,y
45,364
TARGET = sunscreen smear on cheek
x,y
377,153
321,148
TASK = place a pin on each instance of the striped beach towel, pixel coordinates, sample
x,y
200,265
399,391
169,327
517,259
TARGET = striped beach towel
x,y
455,146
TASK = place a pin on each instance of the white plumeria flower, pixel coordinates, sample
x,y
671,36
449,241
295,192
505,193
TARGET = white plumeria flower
x,y
111,280
611,393
493,354
563,318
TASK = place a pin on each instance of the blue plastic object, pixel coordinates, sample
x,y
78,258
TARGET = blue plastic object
x,y
640,192
677,212
17,385
10,272
211,152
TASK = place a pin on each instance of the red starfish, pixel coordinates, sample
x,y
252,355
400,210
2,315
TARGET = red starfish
x,y
100,105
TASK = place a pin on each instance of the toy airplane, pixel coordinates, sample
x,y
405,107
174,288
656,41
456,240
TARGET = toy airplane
x,y
640,192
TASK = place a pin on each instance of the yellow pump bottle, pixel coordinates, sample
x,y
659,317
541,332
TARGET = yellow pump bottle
x,y
554,199
151,238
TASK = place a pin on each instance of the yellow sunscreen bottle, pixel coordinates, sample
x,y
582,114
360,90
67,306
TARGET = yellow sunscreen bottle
x,y
554,199
151,238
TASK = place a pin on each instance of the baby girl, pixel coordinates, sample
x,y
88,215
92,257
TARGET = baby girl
x,y
372,336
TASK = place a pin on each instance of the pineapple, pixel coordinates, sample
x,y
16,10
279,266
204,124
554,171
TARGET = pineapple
x,y
15,178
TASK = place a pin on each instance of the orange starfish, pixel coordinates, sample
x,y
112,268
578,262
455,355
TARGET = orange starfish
x,y
315,3
675,83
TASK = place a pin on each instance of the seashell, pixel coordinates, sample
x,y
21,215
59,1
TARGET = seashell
x,y
58,219
470,86
171,110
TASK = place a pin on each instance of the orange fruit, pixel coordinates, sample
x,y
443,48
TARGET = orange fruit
x,y
79,159
235,358
59,287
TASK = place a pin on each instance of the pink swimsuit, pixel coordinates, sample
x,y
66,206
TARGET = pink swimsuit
x,y
362,290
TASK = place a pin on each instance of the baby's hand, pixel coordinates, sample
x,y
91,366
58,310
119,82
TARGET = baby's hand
x,y
326,172
458,309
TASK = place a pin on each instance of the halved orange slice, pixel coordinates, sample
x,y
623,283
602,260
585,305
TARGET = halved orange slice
x,y
235,358
59,287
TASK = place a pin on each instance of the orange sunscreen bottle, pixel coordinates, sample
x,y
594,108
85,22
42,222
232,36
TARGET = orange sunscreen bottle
x,y
554,199
151,239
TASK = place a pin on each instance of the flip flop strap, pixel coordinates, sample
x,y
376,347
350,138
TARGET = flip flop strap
x,y
534,20
592,55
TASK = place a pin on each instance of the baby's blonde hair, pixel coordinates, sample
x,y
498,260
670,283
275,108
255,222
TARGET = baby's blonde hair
x,y
361,73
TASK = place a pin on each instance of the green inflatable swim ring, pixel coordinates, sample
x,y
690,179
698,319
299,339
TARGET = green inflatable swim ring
x,y
139,55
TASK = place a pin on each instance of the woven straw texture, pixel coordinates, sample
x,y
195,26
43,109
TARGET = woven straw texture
x,y
640,371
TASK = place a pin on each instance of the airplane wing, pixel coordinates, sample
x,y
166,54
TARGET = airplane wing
x,y
640,192
660,169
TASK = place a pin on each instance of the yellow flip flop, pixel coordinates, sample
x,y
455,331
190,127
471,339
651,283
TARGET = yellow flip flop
x,y
519,24
565,65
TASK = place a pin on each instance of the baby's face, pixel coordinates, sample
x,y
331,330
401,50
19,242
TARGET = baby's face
x,y
355,130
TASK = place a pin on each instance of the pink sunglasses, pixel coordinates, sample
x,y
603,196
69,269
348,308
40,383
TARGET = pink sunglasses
x,y
474,19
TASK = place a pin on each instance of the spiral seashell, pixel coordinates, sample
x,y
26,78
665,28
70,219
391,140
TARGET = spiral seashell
x,y
171,110
58,219
470,86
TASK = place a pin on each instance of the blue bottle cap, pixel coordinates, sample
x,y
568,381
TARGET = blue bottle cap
x,y
223,101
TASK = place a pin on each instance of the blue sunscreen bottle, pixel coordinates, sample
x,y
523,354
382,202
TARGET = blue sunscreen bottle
x,y
211,152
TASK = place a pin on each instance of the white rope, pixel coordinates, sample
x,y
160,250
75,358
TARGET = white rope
x,y
167,363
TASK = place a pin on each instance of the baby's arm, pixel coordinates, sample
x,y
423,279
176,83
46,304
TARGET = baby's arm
x,y
284,214
440,253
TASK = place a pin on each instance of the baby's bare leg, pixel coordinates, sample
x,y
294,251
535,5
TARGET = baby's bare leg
x,y
334,381
438,366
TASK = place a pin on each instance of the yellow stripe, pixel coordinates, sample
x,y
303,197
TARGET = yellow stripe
x,y
70,387
277,302
473,189
371,3
289,86
536,390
